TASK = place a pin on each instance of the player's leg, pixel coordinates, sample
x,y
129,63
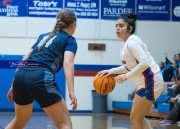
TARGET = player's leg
x,y
23,102
22,116
141,107
58,112
48,96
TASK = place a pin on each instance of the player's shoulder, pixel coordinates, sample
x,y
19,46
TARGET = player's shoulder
x,y
134,37
62,34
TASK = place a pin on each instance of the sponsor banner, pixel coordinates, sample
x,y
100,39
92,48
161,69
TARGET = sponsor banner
x,y
14,64
44,8
111,9
13,8
153,9
175,10
84,8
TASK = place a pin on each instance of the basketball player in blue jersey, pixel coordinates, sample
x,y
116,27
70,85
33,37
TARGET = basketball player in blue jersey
x,y
36,81
138,65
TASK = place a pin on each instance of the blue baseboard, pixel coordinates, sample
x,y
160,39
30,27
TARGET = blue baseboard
x,y
122,104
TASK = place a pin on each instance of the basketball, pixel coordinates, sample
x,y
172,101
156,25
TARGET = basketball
x,y
103,84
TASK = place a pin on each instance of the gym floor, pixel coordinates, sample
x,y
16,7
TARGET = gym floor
x,y
84,121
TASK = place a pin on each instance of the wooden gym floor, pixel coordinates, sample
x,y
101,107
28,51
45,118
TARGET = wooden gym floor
x,y
85,121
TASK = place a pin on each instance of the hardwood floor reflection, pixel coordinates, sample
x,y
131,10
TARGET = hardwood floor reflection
x,y
85,121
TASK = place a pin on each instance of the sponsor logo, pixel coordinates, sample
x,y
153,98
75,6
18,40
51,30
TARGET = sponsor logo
x,y
116,11
44,3
5,2
176,11
147,91
141,7
9,10
118,2
149,7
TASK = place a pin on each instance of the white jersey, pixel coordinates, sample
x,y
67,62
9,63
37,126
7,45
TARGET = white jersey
x,y
137,62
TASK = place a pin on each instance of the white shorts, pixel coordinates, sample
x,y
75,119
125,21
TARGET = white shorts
x,y
152,87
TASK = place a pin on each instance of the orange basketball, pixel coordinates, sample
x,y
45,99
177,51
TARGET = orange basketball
x,y
104,85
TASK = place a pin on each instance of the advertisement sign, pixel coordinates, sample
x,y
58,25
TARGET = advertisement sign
x,y
13,8
153,9
44,8
111,9
84,8
175,10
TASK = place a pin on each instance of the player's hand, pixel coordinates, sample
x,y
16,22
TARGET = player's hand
x,y
165,54
73,100
10,94
105,72
121,78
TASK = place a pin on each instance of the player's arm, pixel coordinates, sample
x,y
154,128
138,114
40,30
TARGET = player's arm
x,y
27,54
68,65
119,70
139,54
69,69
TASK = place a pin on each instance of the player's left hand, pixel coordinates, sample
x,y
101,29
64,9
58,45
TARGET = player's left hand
x,y
121,78
72,96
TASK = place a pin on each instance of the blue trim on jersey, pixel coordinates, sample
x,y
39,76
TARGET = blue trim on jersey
x,y
148,91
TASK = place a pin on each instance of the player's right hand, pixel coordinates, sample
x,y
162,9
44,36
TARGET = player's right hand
x,y
73,100
105,72
10,94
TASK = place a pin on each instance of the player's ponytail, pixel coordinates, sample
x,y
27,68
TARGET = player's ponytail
x,y
130,18
64,17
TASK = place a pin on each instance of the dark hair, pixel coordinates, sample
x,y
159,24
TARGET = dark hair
x,y
129,18
64,17
162,64
179,54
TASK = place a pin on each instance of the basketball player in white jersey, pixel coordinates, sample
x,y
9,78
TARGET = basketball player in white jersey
x,y
138,65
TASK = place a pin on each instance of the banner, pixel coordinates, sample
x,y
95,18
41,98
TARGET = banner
x,y
175,10
153,9
111,9
84,8
44,8
13,8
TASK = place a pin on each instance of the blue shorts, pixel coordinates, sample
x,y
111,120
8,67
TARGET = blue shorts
x,y
39,85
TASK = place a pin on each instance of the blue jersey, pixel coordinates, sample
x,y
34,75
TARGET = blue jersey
x,y
51,55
